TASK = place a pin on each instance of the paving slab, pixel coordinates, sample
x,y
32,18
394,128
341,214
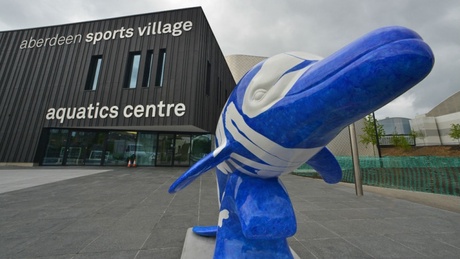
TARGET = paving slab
x,y
128,213
17,179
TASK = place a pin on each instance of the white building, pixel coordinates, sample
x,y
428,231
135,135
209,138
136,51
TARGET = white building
x,y
436,124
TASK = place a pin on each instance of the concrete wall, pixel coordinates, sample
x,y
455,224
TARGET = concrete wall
x,y
444,124
428,130
435,130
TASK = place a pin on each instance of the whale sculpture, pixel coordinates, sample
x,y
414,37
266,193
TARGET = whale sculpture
x,y
283,113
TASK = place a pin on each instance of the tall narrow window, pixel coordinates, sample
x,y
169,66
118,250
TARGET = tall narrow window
x,y
160,68
208,78
132,69
93,73
148,69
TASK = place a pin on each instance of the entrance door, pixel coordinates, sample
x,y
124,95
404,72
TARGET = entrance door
x,y
201,146
182,150
121,146
165,151
94,148
146,148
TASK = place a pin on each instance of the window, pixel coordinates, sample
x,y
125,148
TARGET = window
x,y
93,73
148,69
132,69
160,68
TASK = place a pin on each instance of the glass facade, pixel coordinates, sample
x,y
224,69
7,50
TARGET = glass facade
x,y
57,143
200,147
165,149
120,147
182,150
115,148
146,148
396,125
70,147
85,148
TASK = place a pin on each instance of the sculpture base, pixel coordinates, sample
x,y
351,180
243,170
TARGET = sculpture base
x,y
196,246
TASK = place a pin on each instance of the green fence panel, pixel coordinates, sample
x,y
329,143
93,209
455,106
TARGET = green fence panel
x,y
424,173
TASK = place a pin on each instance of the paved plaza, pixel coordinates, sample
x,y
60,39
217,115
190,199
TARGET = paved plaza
x,y
103,212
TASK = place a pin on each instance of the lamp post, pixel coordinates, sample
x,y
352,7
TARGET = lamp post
x,y
376,135
355,156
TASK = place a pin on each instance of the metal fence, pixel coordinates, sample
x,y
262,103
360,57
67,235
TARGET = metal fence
x,y
431,174
387,140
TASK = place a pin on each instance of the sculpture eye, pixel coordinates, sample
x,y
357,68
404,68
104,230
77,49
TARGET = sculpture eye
x,y
259,94
273,81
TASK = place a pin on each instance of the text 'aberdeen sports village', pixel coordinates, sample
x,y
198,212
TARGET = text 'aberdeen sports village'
x,y
152,28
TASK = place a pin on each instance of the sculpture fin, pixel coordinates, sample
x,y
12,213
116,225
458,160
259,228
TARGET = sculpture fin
x,y
205,231
205,164
326,165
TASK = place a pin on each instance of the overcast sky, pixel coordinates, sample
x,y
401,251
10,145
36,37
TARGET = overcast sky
x,y
268,27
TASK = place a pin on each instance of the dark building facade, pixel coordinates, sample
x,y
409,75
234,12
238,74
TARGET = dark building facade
x,y
99,92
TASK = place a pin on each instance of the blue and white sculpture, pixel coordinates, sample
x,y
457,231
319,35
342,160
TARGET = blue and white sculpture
x,y
283,113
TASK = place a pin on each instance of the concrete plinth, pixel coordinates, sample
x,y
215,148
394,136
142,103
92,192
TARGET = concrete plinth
x,y
196,246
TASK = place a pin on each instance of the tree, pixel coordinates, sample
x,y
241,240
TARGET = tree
x,y
369,136
400,142
455,132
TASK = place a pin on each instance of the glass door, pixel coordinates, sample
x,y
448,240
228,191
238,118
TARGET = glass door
x,y
201,146
182,150
165,151
121,146
146,148
94,153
